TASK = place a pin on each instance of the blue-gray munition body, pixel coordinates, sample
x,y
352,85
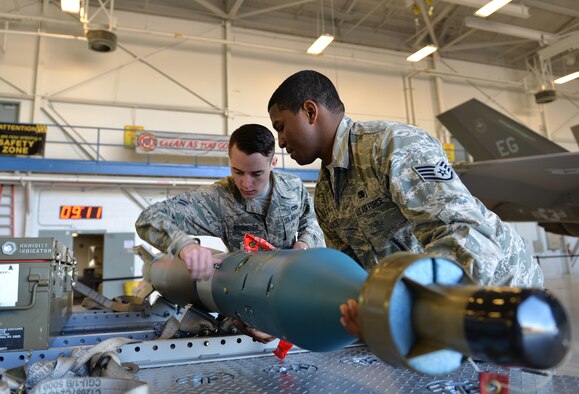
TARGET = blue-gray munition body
x,y
290,294
418,312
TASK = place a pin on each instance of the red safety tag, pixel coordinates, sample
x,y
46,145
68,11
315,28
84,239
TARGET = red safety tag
x,y
253,243
493,383
282,348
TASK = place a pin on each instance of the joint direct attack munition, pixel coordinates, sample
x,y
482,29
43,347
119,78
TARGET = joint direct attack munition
x,y
416,311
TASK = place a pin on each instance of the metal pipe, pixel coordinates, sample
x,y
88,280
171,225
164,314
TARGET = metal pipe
x,y
44,34
21,17
12,208
547,6
124,104
16,178
443,137
28,194
227,78
406,104
19,178
346,59
409,97
446,74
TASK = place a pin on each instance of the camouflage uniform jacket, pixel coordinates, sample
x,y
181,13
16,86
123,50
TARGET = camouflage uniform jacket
x,y
219,210
390,188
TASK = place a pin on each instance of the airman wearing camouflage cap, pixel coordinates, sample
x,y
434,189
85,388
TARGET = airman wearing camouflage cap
x,y
386,187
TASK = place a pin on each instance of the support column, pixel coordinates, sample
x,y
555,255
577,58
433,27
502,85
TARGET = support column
x,y
28,197
37,77
227,77
441,134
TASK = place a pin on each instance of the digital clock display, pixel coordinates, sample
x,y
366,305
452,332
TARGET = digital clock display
x,y
80,212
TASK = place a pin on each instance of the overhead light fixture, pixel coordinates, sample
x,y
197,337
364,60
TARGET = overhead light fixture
x,y
491,7
72,6
421,54
320,44
516,10
567,78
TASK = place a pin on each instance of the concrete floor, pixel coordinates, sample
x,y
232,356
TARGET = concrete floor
x,y
566,288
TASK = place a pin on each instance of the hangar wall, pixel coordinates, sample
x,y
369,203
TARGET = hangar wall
x,y
176,75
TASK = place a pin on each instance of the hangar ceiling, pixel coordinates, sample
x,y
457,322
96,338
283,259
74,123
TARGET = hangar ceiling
x,y
401,25
510,37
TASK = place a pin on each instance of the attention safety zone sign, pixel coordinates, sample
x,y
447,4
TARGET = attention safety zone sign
x,y
22,139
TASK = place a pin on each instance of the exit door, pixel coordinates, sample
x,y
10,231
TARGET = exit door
x,y
118,263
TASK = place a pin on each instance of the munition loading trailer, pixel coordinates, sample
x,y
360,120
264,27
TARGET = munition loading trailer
x,y
417,313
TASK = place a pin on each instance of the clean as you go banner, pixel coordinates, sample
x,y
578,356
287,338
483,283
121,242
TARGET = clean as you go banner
x,y
150,142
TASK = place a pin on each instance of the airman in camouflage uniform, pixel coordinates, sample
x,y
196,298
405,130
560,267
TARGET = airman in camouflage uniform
x,y
219,210
271,205
390,188
386,187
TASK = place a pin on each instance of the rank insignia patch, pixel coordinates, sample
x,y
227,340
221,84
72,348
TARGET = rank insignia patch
x,y
442,171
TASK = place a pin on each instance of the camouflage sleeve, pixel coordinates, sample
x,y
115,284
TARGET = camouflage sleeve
x,y
309,230
167,224
446,218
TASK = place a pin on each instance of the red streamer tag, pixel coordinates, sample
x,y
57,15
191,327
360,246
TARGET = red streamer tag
x,y
282,348
253,243
493,383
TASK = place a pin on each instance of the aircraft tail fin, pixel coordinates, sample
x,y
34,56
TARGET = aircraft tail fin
x,y
575,130
488,134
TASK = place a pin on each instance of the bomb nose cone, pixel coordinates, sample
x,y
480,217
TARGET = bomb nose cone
x,y
524,327
546,331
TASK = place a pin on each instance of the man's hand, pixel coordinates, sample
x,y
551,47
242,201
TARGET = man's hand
x,y
300,245
350,319
199,261
252,332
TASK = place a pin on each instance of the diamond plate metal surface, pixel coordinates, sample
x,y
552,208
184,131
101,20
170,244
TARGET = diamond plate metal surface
x,y
351,370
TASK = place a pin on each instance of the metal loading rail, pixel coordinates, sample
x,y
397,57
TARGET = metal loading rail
x,y
237,363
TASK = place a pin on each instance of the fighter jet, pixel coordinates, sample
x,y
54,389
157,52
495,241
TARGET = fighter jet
x,y
517,173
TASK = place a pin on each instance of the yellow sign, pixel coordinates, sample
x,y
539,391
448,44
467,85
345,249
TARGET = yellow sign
x,y
449,149
131,135
22,139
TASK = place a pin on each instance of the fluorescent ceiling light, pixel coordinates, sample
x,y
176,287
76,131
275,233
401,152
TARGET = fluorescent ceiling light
x,y
320,44
72,6
567,78
516,10
491,7
421,54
